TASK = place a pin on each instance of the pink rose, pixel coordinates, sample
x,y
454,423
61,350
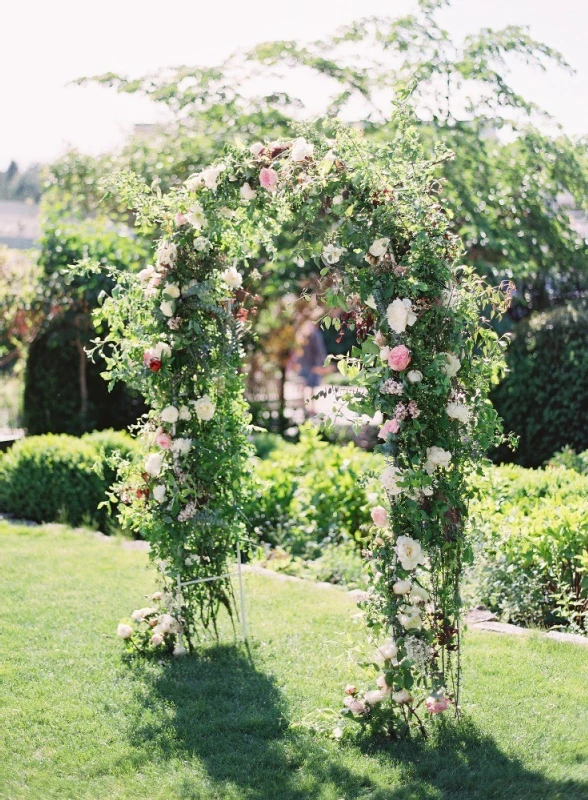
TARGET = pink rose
x,y
151,361
435,705
399,358
390,426
181,219
380,516
268,178
164,440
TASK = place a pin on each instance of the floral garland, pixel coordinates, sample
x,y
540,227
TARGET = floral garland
x,y
371,218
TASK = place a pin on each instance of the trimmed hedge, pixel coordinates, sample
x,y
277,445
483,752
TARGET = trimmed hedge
x,y
52,478
544,398
530,533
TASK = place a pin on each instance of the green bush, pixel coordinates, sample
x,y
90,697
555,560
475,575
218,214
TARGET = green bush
x,y
311,494
569,459
543,398
64,391
53,477
530,531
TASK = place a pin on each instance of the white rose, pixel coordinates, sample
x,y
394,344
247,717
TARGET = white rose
x,y
157,639
402,587
157,595
403,697
382,685
153,464
390,477
160,350
414,376
371,302
247,193
379,247
148,274
171,290
181,446
331,253
170,414
208,177
337,200
409,552
410,618
418,595
159,493
437,457
232,277
167,253
167,624
458,411
195,217
140,614
184,413
204,408
388,650
301,149
451,366
167,308
400,314
124,631
257,148
374,697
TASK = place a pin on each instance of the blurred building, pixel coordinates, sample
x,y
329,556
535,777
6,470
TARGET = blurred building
x,y
19,224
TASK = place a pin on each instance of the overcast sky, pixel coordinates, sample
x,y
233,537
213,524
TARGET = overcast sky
x,y
45,45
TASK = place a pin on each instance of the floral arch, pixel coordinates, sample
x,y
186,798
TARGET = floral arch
x,y
372,219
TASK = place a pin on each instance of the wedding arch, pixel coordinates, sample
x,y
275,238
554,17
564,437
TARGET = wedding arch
x,y
371,216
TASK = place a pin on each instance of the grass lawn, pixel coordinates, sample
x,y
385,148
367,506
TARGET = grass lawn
x,y
76,722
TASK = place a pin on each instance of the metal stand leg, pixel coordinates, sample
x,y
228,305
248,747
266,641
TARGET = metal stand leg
x,y
242,594
180,634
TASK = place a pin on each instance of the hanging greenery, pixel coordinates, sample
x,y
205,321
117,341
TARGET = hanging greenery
x,y
373,219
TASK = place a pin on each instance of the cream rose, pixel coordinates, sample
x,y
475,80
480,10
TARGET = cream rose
x,y
124,631
410,618
379,247
232,277
153,464
400,314
195,217
451,366
247,193
167,308
403,697
159,493
170,414
167,252
181,446
402,587
409,552
390,477
172,290
414,376
331,254
458,411
301,149
437,457
204,408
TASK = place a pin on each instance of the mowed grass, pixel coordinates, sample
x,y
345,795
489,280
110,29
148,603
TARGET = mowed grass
x,y
77,722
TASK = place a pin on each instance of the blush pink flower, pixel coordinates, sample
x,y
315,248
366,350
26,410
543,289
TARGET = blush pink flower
x,y
399,358
380,516
164,440
435,705
268,178
181,219
390,426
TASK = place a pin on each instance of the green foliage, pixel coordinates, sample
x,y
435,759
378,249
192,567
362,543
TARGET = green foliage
x,y
19,317
53,478
543,397
530,528
569,459
310,495
64,393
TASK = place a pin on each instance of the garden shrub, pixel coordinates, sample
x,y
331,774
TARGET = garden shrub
x,y
569,459
530,532
53,477
311,494
543,397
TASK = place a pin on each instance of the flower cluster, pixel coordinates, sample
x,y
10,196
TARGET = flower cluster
x,y
154,628
368,215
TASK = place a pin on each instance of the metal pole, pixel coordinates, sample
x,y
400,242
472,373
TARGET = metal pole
x,y
242,595
180,635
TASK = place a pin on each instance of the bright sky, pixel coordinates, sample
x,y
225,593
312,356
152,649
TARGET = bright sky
x,y
47,44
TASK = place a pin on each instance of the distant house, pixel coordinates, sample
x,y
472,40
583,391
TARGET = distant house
x,y
19,224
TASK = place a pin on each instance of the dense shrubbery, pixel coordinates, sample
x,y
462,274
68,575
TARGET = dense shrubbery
x,y
530,529
53,477
543,395
311,494
569,459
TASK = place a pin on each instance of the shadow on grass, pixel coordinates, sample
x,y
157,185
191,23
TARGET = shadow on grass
x,y
231,718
